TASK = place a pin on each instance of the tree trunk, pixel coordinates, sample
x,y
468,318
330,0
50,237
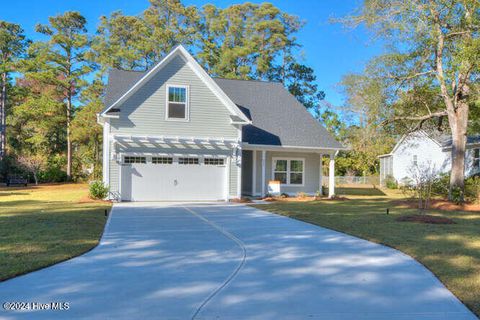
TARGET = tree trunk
x,y
69,138
3,105
35,177
458,126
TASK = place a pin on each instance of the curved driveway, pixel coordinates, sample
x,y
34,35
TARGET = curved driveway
x,y
217,261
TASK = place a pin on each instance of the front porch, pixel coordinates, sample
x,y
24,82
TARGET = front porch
x,y
298,169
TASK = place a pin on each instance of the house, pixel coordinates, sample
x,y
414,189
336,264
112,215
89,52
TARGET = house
x,y
174,133
423,149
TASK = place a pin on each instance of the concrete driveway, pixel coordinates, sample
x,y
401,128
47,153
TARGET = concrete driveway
x,y
217,261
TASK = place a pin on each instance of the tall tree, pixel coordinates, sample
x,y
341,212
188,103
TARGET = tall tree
x,y
122,43
64,58
87,133
170,23
433,44
12,45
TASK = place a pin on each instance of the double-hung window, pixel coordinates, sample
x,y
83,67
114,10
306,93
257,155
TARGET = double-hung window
x,y
177,102
289,171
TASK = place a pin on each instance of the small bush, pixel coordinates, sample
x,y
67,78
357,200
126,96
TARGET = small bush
x,y
284,195
390,182
472,189
98,190
441,185
457,195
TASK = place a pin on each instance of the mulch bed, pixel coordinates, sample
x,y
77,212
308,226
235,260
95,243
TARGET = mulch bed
x,y
242,200
440,204
87,199
425,218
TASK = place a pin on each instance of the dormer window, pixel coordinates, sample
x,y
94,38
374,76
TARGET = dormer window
x,y
177,103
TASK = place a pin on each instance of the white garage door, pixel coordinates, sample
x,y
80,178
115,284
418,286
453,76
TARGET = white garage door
x,y
173,179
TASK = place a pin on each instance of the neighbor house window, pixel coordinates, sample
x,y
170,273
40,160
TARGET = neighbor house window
x,y
187,160
162,160
177,103
289,171
130,159
415,160
476,158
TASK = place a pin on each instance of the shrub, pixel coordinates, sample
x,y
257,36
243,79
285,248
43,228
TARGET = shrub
x,y
53,170
284,195
390,182
472,189
441,185
457,195
98,190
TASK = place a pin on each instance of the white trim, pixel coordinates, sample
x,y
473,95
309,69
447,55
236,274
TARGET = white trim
x,y
187,102
331,176
254,172
247,146
320,175
175,139
197,69
288,172
227,184
264,156
106,152
167,154
238,163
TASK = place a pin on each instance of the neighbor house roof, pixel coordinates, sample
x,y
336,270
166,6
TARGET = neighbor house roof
x,y
277,118
471,140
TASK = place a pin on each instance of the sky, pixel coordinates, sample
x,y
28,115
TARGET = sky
x,y
330,49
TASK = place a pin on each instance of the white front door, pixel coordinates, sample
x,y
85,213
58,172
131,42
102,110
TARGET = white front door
x,y
179,179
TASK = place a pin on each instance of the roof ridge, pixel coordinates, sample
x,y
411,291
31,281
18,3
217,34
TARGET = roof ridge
x,y
248,80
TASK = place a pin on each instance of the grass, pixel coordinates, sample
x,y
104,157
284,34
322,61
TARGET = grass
x,y
451,252
43,225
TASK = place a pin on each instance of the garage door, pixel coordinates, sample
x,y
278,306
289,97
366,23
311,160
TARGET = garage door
x,y
173,178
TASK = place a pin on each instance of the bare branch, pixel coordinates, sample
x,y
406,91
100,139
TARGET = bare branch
x,y
420,119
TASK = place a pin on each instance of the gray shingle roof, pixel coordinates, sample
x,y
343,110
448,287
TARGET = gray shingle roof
x,y
473,139
277,117
119,81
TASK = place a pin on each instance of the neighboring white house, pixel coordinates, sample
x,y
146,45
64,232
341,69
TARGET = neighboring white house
x,y
422,149
174,133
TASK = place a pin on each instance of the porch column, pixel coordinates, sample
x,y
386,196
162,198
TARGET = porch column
x,y
254,172
320,176
331,176
264,154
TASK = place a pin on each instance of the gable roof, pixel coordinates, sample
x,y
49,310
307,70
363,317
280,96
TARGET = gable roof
x,y
277,116
120,90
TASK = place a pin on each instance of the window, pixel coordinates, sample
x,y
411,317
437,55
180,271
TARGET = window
x,y
476,158
177,102
415,160
162,160
213,162
129,159
187,160
288,171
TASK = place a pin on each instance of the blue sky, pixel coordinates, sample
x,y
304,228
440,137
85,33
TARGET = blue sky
x,y
330,49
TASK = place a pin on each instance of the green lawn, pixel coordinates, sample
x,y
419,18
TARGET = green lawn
x,y
452,252
43,225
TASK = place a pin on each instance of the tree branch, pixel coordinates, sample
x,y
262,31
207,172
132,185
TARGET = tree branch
x,y
421,119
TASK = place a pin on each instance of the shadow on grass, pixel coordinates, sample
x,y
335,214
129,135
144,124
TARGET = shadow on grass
x,y
358,192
